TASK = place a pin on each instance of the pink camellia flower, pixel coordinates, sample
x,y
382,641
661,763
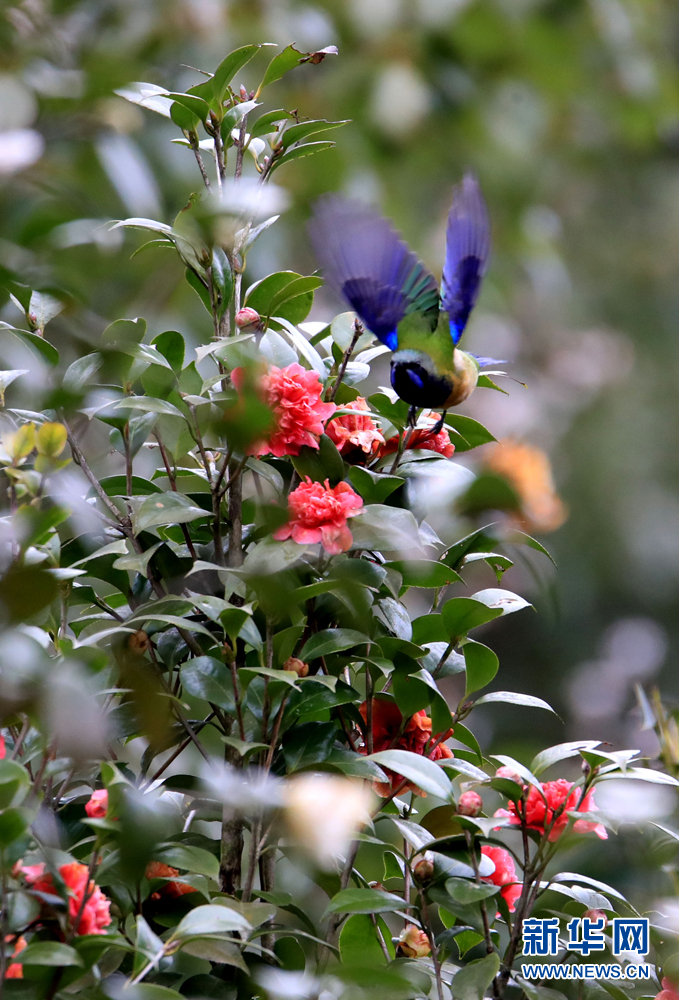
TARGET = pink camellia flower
x,y
318,513
30,873
669,990
3,749
540,809
423,439
97,806
469,804
351,433
504,875
95,916
294,396
506,772
413,942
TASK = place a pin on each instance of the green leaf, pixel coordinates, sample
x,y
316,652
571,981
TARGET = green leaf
x,y
267,123
280,65
503,600
474,433
26,590
215,950
307,744
171,345
386,529
14,823
205,921
14,783
34,340
488,492
482,665
516,537
199,287
189,858
149,405
319,464
420,770
465,892
331,640
208,678
374,487
358,941
184,117
471,982
228,68
424,573
460,614
364,901
50,953
297,152
429,628
116,486
170,508
513,698
561,751
295,133
534,992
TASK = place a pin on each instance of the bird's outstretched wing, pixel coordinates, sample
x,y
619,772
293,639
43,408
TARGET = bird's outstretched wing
x,y
467,250
365,260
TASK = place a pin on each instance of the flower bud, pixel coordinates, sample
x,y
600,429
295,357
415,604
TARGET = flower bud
x,y
424,869
595,915
139,643
246,318
296,666
469,804
413,942
506,772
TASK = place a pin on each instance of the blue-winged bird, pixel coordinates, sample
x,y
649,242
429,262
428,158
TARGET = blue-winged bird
x,y
397,299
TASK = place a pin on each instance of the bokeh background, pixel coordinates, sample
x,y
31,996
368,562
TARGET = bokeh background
x,y
568,111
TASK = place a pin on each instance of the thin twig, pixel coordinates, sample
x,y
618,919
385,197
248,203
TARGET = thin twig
x,y
201,165
358,330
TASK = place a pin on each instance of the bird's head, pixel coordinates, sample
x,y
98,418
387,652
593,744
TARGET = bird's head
x,y
417,380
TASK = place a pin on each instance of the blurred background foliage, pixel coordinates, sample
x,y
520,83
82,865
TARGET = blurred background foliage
x,y
568,110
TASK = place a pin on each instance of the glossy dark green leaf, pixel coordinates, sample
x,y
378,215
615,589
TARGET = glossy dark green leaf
x,y
474,433
365,901
374,487
472,982
307,744
209,678
319,464
302,130
460,614
229,66
482,665
268,122
331,640
281,64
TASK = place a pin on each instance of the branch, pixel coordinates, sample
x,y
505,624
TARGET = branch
x,y
358,330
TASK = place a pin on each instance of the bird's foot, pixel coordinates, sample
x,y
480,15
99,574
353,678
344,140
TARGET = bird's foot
x,y
412,416
438,426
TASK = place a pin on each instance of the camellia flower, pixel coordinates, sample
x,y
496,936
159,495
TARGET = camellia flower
x,y
504,875
425,440
318,513
294,396
413,942
469,804
360,432
156,869
669,990
3,748
528,471
540,809
387,721
95,916
97,806
15,970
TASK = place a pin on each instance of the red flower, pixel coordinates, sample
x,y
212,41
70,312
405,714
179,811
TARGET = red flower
x,y
318,513
3,748
156,869
97,806
504,874
95,914
540,809
469,804
294,396
669,991
351,432
387,721
15,970
423,439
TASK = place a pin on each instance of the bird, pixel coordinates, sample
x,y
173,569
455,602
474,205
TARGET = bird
x,y
368,264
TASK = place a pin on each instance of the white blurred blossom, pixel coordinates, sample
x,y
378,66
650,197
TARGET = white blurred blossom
x,y
323,813
19,148
400,99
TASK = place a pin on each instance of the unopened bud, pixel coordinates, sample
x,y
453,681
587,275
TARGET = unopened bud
x,y
243,93
139,643
296,666
506,772
247,318
595,915
424,870
413,942
469,804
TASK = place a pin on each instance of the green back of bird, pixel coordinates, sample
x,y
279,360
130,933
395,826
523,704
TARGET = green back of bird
x,y
415,334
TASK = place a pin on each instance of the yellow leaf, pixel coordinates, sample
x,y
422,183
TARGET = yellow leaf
x,y
51,439
21,443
